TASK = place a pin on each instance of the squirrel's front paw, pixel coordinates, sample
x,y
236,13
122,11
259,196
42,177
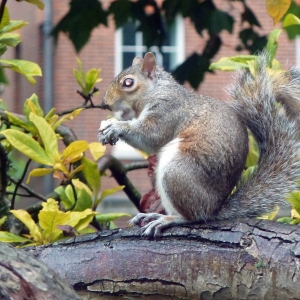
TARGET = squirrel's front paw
x,y
108,132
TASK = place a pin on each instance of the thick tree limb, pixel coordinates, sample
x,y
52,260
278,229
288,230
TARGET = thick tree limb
x,y
251,259
22,277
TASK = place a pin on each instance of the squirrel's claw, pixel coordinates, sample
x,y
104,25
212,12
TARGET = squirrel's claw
x,y
152,224
108,132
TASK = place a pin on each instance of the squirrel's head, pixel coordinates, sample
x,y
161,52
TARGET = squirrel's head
x,y
127,90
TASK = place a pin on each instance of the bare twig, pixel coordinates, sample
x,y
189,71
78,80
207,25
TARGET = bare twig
x,y
65,112
12,205
30,191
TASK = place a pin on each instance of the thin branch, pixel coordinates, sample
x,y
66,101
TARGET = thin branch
x,y
30,191
18,184
119,173
136,166
65,112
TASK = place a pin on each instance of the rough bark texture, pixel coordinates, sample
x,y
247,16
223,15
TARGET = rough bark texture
x,y
226,260
24,278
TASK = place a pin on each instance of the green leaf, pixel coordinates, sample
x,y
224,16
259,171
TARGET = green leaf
x,y
253,155
38,172
84,201
19,122
219,21
24,67
47,135
26,219
192,70
108,192
272,44
103,218
228,64
80,20
92,176
285,220
67,117
122,11
91,78
10,39
27,145
65,200
5,19
2,220
79,77
290,19
32,105
12,26
294,199
3,49
7,237
38,3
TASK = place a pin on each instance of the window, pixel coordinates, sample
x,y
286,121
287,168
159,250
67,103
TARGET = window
x,y
129,44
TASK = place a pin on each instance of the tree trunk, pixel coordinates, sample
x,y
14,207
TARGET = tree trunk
x,y
22,277
247,259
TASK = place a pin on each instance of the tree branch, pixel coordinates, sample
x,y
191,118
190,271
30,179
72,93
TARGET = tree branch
x,y
119,173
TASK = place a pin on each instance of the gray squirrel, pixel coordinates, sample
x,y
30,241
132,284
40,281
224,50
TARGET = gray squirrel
x,y
202,143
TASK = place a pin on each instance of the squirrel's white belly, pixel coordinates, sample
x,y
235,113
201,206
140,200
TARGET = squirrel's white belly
x,y
165,156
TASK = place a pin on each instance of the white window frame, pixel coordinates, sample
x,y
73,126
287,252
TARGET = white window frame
x,y
121,150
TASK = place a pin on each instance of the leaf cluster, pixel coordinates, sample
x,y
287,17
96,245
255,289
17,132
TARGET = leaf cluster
x,y
10,39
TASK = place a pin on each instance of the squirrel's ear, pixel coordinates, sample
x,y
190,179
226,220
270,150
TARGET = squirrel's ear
x,y
137,61
149,65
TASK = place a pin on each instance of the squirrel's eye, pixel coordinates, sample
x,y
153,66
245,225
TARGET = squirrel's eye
x,y
128,82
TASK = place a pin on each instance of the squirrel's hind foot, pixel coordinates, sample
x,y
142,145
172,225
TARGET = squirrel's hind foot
x,y
153,224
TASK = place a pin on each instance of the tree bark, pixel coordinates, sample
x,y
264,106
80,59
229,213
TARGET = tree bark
x,y
249,259
22,277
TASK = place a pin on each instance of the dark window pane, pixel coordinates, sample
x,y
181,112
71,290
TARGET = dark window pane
x,y
127,59
128,34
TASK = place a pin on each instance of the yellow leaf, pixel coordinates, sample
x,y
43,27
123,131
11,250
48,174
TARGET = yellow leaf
x,y
48,221
47,135
295,214
38,172
62,168
2,220
73,151
51,204
27,145
277,8
97,150
7,237
26,219
81,219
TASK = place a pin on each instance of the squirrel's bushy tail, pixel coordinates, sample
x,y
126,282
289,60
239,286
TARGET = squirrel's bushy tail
x,y
270,105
